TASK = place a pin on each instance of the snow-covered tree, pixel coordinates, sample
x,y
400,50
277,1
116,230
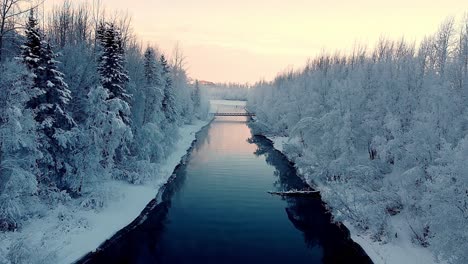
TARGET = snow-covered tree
x,y
169,106
116,109
49,106
69,129
384,133
149,135
105,131
448,193
114,76
180,86
19,148
55,121
196,96
31,50
153,89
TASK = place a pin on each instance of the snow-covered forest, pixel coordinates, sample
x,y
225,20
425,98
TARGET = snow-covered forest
x,y
82,102
226,91
383,134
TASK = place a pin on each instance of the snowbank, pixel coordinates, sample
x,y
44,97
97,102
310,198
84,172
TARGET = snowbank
x,y
397,251
64,235
278,142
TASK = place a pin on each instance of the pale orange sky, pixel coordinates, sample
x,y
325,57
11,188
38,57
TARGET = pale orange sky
x,y
249,40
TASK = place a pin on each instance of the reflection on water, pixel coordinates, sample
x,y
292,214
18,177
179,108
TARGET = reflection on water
x,y
309,215
217,210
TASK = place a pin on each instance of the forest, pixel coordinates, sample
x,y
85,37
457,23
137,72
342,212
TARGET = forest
x,y
82,103
383,134
226,91
88,111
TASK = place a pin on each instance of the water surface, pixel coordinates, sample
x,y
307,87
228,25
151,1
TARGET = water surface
x,y
217,210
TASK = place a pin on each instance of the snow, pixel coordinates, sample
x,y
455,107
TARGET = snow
x,y
278,142
228,102
400,250
66,234
217,105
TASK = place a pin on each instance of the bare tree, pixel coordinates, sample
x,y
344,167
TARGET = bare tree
x,y
442,44
123,21
462,52
82,23
70,24
10,10
98,12
179,60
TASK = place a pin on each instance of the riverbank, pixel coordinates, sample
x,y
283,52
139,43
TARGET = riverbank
x,y
400,250
65,234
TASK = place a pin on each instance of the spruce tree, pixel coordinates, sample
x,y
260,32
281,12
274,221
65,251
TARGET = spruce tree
x,y
114,77
151,74
196,96
31,50
54,121
30,56
52,116
169,101
114,80
49,105
153,92
111,68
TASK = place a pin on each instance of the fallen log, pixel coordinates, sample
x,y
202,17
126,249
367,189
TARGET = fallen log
x,y
297,193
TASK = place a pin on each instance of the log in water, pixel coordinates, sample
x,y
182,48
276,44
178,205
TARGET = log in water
x,y
296,193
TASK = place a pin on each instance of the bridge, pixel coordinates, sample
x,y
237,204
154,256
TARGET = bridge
x,y
234,114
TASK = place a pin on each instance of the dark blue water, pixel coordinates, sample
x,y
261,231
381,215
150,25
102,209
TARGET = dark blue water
x,y
217,210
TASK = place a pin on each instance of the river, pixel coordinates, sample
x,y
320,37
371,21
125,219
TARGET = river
x,y
217,210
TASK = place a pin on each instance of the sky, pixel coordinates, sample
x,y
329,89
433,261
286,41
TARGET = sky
x,y
250,40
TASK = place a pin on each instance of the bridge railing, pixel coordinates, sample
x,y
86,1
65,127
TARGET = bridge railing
x,y
234,114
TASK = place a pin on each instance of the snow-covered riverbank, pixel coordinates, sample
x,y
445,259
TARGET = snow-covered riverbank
x,y
397,251
65,234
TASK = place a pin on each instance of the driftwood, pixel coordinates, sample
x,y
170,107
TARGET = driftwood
x,y
297,193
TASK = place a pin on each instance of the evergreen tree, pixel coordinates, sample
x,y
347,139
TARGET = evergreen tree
x,y
114,77
153,93
169,100
30,55
111,62
55,123
151,68
196,96
31,50
49,106
56,94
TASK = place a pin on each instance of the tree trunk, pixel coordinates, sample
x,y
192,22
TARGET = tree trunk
x,y
1,47
2,28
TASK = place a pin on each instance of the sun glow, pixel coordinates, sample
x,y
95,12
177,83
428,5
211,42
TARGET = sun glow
x,y
245,40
